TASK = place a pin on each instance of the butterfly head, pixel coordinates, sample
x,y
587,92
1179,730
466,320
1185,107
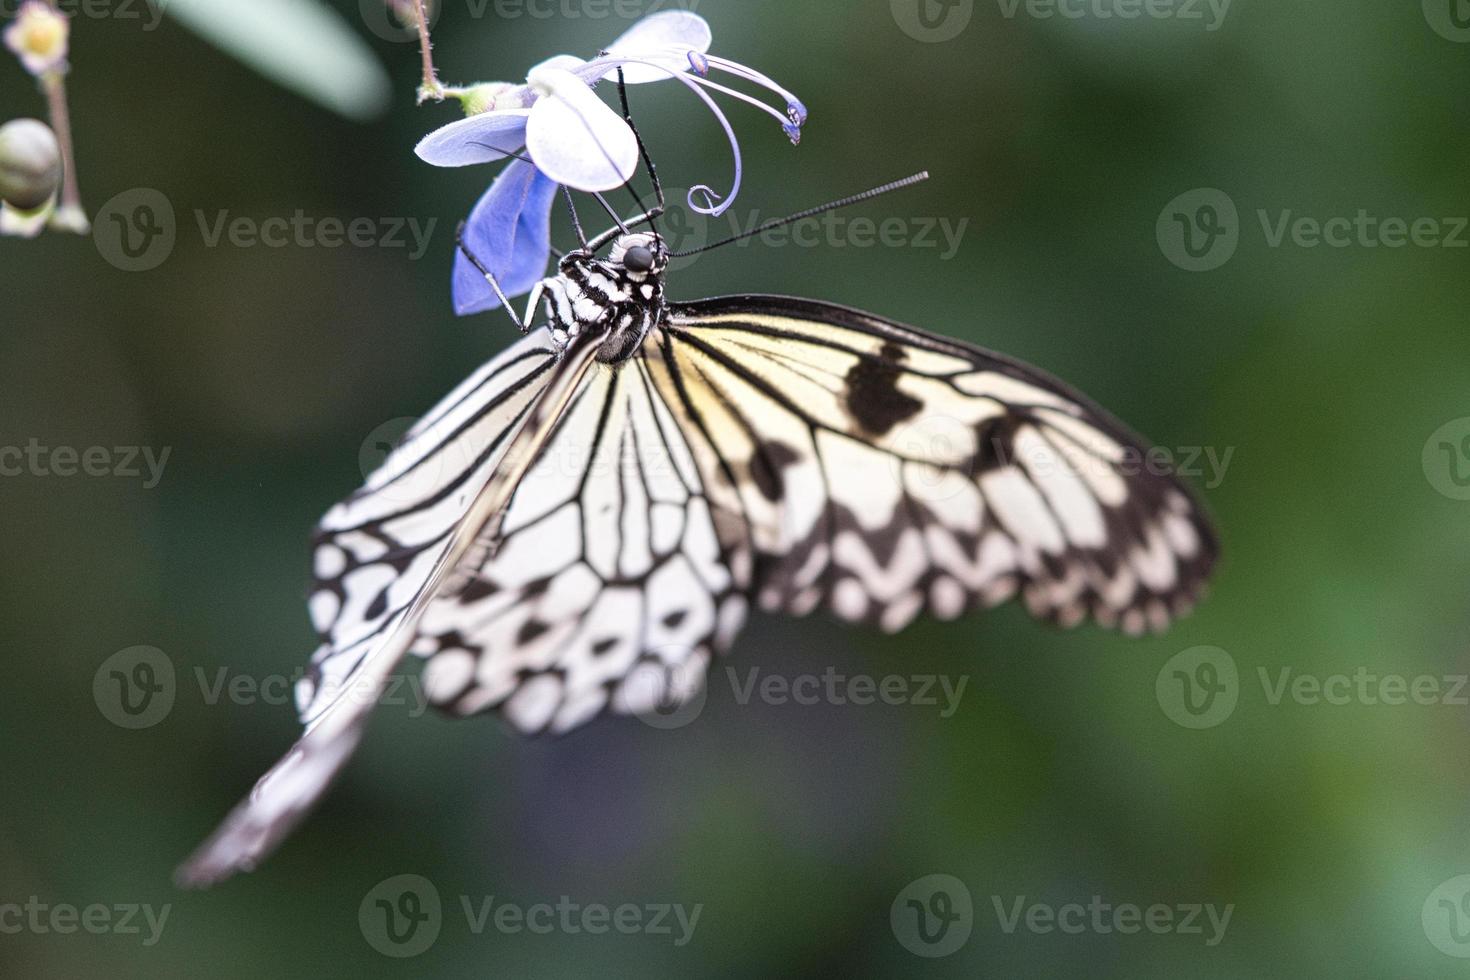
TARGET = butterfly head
x,y
640,256
618,299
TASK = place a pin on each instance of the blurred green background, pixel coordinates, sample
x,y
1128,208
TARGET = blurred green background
x,y
1334,831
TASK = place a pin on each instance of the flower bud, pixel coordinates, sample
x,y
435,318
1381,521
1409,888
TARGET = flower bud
x,y
30,164
481,98
39,37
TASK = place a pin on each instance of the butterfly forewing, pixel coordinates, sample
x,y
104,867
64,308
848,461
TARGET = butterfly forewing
x,y
884,472
380,557
374,553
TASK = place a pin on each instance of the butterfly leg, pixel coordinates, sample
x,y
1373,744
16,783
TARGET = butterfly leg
x,y
538,293
521,325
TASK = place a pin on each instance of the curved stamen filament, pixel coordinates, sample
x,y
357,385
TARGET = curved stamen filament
x,y
734,93
794,106
710,195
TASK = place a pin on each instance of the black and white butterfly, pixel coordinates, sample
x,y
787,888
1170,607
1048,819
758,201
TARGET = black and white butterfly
x,y
587,521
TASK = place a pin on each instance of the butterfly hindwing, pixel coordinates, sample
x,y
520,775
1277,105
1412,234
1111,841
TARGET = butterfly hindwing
x,y
614,583
885,472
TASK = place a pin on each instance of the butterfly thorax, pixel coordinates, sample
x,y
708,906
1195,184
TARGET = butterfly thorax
x,y
618,299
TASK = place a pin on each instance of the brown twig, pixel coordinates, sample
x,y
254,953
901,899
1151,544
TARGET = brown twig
x,y
69,215
430,89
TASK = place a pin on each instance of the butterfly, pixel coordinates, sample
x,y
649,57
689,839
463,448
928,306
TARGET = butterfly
x,y
587,521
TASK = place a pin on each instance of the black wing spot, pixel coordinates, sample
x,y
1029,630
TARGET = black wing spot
x,y
766,466
873,397
673,619
995,441
604,645
377,607
529,630
475,590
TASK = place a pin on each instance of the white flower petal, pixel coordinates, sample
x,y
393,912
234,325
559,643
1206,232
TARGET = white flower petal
x,y
575,138
664,39
566,62
478,139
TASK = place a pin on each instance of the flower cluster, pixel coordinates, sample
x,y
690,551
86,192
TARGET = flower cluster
x,y
559,132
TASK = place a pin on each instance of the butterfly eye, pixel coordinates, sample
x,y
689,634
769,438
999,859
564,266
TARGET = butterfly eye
x,y
638,259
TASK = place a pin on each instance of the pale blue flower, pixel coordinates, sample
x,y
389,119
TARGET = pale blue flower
x,y
575,138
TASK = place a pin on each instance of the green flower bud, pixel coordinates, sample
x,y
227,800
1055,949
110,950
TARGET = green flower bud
x,y
30,164
481,98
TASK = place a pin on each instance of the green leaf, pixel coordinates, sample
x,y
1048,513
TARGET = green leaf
x,y
302,44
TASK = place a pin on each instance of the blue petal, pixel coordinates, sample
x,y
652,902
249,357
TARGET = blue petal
x,y
484,138
510,232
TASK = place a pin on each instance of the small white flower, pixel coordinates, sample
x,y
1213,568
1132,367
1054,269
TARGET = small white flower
x,y
39,36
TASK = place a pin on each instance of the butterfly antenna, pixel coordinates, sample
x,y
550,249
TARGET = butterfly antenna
x,y
489,277
810,213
